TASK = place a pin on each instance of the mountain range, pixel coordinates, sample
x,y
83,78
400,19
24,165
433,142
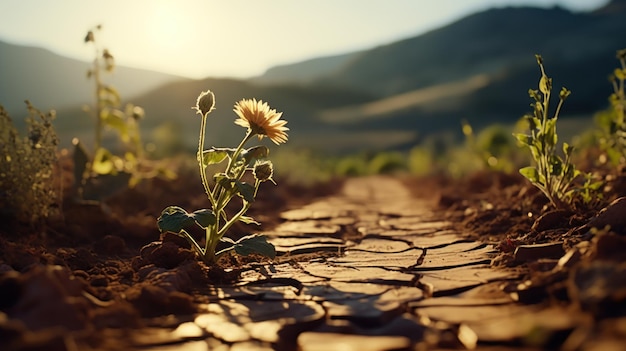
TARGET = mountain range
x,y
478,69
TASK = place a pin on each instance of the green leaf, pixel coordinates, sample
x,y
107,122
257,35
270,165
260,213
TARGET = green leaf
x,y
545,85
523,138
204,217
556,167
534,94
224,181
255,243
594,186
248,220
174,219
245,190
614,155
110,94
567,149
238,168
255,153
530,173
533,122
534,151
213,156
538,108
114,118
228,240
551,137
103,162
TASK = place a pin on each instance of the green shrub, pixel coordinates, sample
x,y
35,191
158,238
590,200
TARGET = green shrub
x,y
351,166
420,161
387,162
27,165
493,146
612,122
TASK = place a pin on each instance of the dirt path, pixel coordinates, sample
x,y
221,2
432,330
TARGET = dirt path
x,y
384,272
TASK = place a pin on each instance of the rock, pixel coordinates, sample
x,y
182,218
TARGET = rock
x,y
569,260
147,249
527,253
99,281
119,314
608,246
165,254
613,216
77,259
599,287
176,239
51,297
312,341
110,245
154,301
10,289
551,220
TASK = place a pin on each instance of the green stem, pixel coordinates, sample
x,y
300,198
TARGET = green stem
x,y
97,107
218,191
241,212
210,245
547,151
200,157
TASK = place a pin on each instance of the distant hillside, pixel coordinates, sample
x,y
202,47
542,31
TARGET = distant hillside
x,y
305,72
478,69
52,81
493,42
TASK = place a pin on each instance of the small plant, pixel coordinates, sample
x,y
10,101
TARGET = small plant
x,y
259,120
27,165
108,115
492,146
552,174
612,121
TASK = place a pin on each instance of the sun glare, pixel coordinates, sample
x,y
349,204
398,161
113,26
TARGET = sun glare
x,y
167,27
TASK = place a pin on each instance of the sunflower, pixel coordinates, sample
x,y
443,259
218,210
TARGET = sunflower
x,y
261,120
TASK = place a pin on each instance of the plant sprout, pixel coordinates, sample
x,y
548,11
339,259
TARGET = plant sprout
x,y
259,120
108,114
552,174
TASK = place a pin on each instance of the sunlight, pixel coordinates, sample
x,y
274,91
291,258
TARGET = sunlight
x,y
168,28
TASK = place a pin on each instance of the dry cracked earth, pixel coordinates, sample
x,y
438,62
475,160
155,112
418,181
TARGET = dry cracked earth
x,y
384,270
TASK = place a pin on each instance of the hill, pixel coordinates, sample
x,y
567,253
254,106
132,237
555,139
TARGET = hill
x,y
480,69
305,72
52,81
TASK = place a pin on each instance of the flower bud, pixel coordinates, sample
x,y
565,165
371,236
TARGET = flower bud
x,y
263,170
205,103
89,37
138,112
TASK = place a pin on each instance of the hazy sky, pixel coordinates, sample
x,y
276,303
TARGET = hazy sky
x,y
232,38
